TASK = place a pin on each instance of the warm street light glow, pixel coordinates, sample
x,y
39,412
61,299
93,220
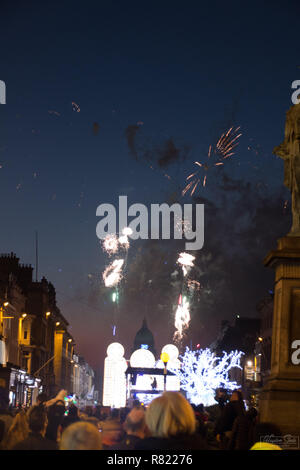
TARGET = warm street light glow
x,y
24,315
260,338
57,323
69,340
47,314
164,357
6,304
249,363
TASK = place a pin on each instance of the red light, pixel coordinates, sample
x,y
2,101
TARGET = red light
x,y
198,346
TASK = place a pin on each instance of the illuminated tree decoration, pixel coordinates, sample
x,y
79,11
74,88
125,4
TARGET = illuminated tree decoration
x,y
202,372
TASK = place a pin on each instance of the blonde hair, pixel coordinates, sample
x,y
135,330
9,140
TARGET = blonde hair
x,y
18,431
169,415
81,436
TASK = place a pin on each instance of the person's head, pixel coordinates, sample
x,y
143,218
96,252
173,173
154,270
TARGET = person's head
x,y
135,423
56,414
114,414
136,404
252,413
170,415
81,436
41,399
73,411
236,396
37,420
4,401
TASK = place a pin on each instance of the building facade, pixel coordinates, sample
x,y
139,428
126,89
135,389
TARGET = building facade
x,y
36,348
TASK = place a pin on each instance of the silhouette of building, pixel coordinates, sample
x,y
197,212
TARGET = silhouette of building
x,y
144,339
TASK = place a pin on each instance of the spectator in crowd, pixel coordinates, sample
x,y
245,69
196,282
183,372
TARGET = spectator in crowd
x,y
56,413
112,433
6,418
41,399
242,431
135,427
18,431
172,424
37,420
81,436
72,417
230,412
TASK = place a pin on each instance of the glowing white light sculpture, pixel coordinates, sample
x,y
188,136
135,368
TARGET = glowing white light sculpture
x,y
172,350
114,384
202,372
142,358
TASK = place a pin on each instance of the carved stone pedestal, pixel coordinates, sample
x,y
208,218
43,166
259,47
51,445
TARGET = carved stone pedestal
x,y
280,398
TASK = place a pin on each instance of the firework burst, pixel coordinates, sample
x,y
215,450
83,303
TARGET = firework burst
x,y
182,318
187,261
113,273
110,244
216,157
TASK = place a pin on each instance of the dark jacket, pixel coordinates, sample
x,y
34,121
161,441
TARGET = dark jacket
x,y
35,442
241,433
230,412
180,442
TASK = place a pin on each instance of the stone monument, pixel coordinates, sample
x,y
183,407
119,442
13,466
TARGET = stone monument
x,y
280,398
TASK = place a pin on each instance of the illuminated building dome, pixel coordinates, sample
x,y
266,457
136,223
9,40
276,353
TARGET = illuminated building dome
x,y
144,339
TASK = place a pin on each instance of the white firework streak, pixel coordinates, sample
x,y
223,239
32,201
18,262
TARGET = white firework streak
x,y
187,261
112,274
110,244
182,318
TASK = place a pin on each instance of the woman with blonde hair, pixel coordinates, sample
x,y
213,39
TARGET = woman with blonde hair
x,y
17,432
172,424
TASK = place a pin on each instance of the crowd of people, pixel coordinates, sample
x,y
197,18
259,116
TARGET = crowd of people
x,y
169,422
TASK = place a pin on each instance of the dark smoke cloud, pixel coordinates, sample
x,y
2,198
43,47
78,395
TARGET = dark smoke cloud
x,y
130,133
161,155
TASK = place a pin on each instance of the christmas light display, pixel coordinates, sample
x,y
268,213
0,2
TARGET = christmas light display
x,y
202,372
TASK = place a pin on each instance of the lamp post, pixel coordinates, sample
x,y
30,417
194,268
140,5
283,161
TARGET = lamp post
x,y
165,359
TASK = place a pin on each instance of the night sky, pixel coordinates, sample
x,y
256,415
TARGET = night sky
x,y
144,75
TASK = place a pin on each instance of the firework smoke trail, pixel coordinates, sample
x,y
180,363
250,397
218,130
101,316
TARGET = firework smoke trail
x,y
182,318
182,315
114,273
223,149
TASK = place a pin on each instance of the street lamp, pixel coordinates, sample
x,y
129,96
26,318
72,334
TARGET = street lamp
x,y
165,359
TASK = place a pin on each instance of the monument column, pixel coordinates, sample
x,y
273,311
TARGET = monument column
x,y
280,398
